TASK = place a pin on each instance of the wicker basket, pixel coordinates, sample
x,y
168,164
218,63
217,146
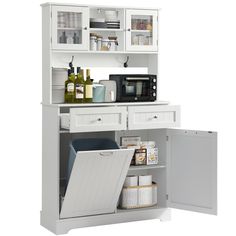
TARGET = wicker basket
x,y
138,196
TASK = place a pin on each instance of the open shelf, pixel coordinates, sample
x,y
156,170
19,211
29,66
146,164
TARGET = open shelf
x,y
102,52
108,104
105,29
146,167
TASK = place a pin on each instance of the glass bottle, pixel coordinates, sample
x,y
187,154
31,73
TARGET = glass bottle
x,y
88,88
69,88
79,86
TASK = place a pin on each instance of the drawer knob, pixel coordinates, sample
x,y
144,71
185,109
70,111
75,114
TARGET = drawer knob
x,y
155,117
99,119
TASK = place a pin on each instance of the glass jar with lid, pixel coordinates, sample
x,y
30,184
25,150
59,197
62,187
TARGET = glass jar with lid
x,y
93,42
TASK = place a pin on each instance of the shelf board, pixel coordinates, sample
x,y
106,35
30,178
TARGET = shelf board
x,y
108,104
77,28
146,167
121,210
141,31
105,30
103,52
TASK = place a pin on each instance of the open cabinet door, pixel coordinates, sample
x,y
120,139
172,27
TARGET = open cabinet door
x,y
95,182
192,170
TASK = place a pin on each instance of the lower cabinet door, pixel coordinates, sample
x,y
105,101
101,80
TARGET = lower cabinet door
x,y
192,170
95,182
153,117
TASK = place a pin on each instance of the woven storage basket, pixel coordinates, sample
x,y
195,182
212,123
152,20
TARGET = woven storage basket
x,y
139,196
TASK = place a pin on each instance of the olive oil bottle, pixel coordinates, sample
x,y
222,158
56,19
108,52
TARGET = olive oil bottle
x,y
88,88
69,88
79,86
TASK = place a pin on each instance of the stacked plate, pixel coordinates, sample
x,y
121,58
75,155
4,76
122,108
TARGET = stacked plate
x,y
113,24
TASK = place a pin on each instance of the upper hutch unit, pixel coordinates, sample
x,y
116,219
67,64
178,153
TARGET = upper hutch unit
x,y
187,168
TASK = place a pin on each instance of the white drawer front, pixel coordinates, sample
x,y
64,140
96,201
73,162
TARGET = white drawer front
x,y
97,119
151,117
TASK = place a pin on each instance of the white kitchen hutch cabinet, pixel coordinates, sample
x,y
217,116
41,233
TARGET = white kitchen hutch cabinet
x,y
186,175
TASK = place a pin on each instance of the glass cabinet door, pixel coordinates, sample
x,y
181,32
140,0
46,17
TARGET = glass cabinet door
x,y
141,34
70,28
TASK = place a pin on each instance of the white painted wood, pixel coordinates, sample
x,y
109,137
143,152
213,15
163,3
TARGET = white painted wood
x,y
153,117
50,162
110,104
192,170
96,181
63,226
97,119
85,25
129,46
95,6
46,55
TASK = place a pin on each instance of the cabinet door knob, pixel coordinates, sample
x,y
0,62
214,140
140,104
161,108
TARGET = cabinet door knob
x,y
85,28
155,117
99,119
128,29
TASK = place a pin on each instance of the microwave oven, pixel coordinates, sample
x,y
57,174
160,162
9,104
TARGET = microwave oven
x,y
135,87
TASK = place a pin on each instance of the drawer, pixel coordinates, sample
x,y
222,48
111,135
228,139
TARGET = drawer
x,y
94,119
151,117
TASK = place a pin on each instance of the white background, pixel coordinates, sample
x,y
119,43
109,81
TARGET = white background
x,y
197,70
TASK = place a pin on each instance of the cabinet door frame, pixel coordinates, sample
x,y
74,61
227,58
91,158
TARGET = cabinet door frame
x,y
84,27
129,46
192,170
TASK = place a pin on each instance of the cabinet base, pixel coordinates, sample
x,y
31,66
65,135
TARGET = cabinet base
x,y
63,226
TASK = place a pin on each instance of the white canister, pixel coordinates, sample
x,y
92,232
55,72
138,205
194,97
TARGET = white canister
x,y
145,180
99,43
113,45
131,181
93,43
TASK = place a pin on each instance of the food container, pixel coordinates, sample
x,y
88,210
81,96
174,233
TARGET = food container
x,y
152,152
99,43
93,43
110,91
131,180
140,156
138,196
144,180
98,92
105,45
113,43
130,141
141,39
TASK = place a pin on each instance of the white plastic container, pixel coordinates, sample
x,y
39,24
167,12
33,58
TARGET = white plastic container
x,y
144,180
131,181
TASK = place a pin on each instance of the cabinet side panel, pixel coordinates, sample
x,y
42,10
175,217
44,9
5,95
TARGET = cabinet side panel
x,y
46,54
50,163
